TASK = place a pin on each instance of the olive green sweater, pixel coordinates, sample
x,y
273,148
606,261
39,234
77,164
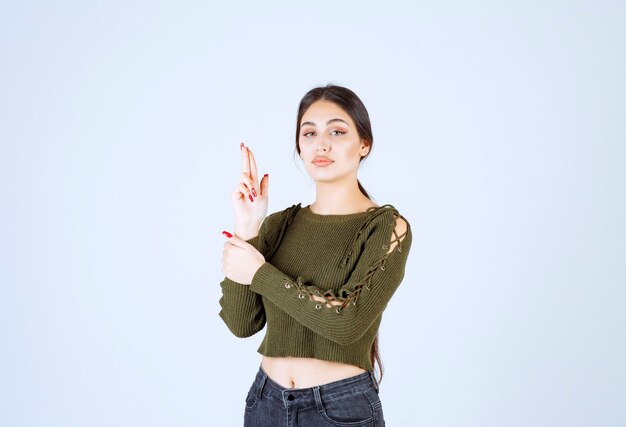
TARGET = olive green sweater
x,y
342,258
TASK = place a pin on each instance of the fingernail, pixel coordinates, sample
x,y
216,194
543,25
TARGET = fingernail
x,y
254,192
251,199
241,146
266,175
227,234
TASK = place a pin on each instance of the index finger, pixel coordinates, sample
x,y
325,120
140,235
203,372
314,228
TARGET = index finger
x,y
245,160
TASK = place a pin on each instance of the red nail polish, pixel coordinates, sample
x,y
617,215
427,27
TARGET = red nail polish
x,y
241,146
227,234
254,192
251,199
266,175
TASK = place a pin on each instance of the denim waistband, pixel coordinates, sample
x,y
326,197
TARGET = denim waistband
x,y
304,396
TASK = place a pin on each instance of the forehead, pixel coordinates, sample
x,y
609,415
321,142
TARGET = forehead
x,y
321,111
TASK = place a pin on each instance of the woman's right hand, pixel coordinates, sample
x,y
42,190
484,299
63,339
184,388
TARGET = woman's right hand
x,y
250,198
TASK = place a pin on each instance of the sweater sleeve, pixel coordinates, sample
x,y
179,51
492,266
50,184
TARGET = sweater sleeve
x,y
241,309
373,281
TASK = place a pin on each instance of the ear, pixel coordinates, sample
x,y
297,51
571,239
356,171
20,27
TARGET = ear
x,y
364,149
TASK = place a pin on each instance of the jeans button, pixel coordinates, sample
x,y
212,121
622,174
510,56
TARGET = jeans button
x,y
291,397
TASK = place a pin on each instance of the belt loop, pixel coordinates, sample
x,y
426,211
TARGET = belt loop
x,y
318,399
374,379
261,383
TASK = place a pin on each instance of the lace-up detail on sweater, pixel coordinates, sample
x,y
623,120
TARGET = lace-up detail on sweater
x,y
286,218
372,212
349,296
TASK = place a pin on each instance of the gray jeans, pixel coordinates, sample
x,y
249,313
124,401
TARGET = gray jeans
x,y
350,402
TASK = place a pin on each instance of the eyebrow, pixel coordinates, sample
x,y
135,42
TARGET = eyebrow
x,y
327,123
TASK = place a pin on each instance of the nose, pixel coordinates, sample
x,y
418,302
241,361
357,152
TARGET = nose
x,y
322,145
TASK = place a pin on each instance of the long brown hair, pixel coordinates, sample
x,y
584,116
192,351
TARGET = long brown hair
x,y
353,106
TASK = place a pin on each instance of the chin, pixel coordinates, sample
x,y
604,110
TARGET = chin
x,y
327,173
320,176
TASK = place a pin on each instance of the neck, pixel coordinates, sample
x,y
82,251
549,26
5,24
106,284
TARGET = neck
x,y
333,198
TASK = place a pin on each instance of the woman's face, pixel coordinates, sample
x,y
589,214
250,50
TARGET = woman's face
x,y
330,146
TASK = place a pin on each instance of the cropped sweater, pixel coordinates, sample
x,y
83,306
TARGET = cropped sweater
x,y
355,260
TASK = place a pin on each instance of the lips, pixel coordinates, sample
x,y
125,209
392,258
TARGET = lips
x,y
320,160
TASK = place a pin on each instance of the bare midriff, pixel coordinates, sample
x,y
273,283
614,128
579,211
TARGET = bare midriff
x,y
304,372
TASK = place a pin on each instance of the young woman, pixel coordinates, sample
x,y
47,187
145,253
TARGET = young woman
x,y
319,276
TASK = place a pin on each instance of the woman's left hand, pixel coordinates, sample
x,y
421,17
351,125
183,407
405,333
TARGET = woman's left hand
x,y
240,260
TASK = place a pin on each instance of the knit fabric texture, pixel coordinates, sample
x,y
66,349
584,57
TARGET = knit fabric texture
x,y
355,262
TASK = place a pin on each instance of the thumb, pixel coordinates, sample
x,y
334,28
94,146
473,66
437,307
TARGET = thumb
x,y
234,240
265,182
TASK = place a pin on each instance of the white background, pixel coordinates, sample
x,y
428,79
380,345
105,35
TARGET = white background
x,y
498,133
